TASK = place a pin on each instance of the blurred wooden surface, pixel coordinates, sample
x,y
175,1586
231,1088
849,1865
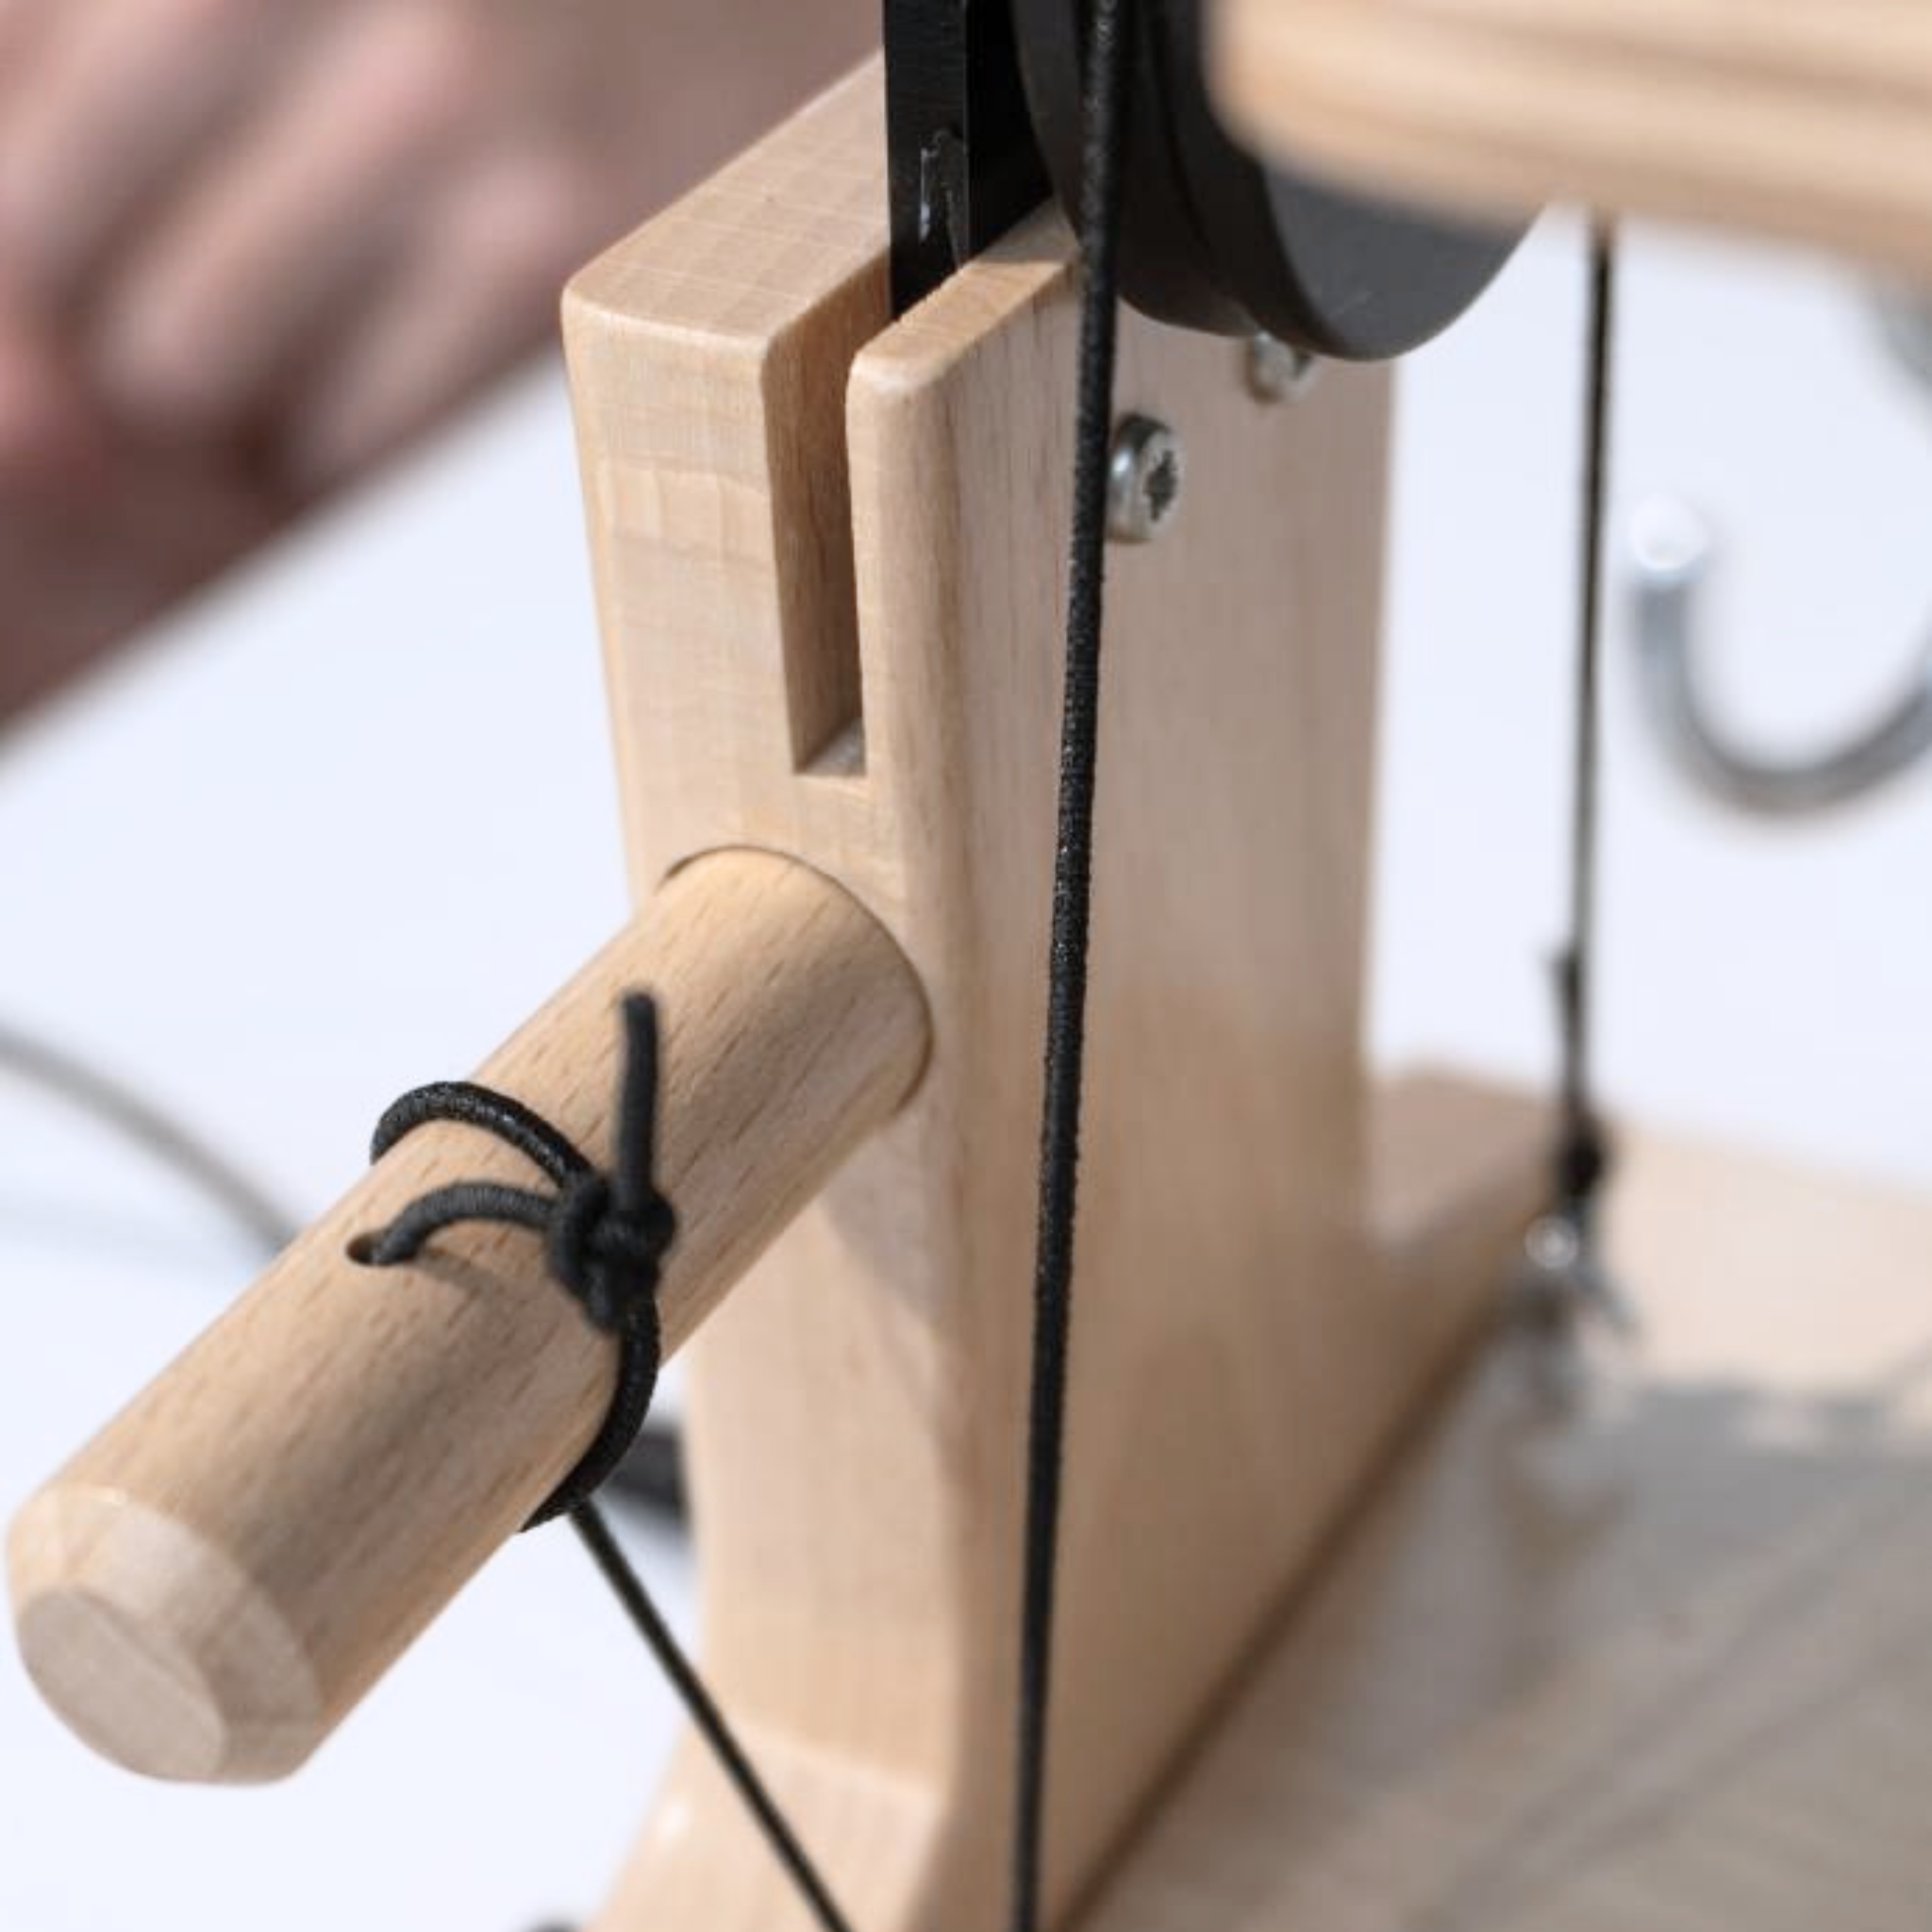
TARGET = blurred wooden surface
x,y
1660,1663
1810,120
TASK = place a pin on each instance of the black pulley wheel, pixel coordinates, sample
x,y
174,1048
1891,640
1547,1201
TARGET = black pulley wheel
x,y
1213,240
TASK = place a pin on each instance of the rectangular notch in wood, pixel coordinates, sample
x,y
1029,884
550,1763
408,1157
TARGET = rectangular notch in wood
x,y
710,407
811,524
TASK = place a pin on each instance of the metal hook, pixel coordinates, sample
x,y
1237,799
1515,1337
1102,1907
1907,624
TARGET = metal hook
x,y
1671,552
1561,1277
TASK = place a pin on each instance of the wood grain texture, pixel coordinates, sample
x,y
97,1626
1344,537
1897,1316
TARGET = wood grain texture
x,y
1810,120
829,555
1661,1658
211,1584
1244,1348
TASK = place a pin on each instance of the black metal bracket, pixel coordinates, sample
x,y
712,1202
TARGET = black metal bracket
x,y
982,119
961,162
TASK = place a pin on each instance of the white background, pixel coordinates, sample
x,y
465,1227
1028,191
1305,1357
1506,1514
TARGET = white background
x,y
266,869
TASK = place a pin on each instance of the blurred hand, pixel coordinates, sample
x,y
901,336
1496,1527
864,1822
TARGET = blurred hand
x,y
97,531
247,247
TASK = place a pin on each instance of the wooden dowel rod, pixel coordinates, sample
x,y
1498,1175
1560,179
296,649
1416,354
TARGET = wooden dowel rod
x,y
212,1583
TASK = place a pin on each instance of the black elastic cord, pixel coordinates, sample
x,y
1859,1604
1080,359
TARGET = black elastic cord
x,y
1109,47
604,1238
1582,1154
652,1472
588,1520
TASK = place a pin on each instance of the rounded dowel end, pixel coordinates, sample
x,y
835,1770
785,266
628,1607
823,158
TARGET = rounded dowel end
x,y
206,1684
208,1589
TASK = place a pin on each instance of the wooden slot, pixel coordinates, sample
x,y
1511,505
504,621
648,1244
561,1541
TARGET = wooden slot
x,y
715,471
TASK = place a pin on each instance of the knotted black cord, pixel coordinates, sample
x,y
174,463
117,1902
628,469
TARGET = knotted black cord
x,y
605,1240
652,1472
1582,1154
603,1236
1103,136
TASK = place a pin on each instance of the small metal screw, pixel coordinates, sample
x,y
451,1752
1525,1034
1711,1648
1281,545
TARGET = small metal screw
x,y
1278,371
1144,480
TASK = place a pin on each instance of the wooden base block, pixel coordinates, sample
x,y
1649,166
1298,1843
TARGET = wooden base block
x,y
1456,1171
1659,1659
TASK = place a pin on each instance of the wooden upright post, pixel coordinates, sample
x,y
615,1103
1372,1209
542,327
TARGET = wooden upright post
x,y
829,550
829,555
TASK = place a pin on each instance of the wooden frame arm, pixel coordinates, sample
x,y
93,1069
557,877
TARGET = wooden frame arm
x,y
1810,120
209,1588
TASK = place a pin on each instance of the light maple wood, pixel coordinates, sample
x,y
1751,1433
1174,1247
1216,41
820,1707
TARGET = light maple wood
x,y
829,555
212,1583
1810,120
1657,1657
1656,1663
790,493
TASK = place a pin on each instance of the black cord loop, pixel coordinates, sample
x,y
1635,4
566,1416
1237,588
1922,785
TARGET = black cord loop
x,y
605,1236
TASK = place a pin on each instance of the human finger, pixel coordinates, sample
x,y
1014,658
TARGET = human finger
x,y
268,243
112,101
479,287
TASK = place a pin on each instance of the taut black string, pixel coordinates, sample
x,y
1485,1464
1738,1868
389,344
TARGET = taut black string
x,y
1563,1276
1581,1152
1110,47
628,1588
604,1238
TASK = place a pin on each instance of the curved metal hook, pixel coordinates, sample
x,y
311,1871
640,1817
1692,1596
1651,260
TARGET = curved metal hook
x,y
1905,317
1671,552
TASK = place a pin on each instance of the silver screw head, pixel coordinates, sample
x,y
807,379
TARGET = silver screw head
x,y
1278,371
1144,480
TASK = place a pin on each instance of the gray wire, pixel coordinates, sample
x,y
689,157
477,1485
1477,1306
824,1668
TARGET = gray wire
x,y
104,1099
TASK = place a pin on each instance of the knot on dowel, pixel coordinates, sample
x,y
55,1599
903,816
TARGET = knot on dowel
x,y
605,1234
604,1254
605,1238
